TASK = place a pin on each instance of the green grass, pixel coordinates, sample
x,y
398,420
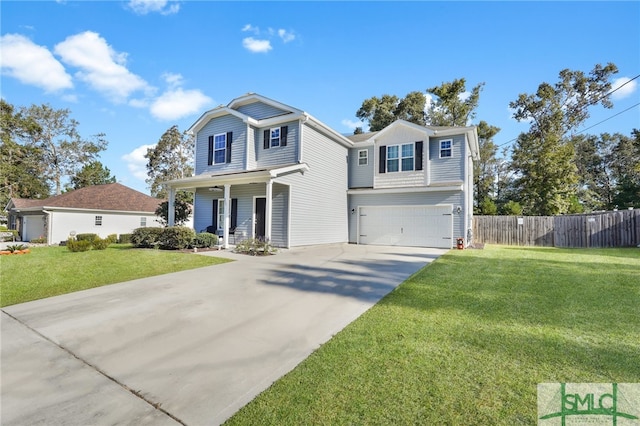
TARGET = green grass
x,y
50,271
466,341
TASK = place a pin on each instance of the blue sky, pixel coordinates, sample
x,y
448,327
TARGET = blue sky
x,y
132,69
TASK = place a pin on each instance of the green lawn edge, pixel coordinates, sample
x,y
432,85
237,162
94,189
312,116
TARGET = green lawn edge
x,y
52,271
467,339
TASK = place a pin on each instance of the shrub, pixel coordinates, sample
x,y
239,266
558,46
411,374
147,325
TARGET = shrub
x,y
255,247
205,239
39,240
78,245
100,244
86,237
124,238
16,247
113,238
176,238
146,237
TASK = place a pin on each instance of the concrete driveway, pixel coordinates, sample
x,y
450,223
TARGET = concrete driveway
x,y
191,347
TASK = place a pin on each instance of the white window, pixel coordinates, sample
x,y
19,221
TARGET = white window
x,y
400,157
221,213
219,148
275,137
143,222
363,157
445,148
98,221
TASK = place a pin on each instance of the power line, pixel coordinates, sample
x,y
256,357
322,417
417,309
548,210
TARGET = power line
x,y
593,103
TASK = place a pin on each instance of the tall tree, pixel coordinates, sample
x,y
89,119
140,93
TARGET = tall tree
x,y
94,173
543,157
453,106
485,171
171,158
594,161
63,150
21,166
626,170
378,112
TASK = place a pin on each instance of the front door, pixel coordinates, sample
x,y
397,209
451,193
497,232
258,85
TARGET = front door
x,y
261,204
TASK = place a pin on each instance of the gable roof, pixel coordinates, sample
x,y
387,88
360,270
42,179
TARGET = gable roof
x,y
111,196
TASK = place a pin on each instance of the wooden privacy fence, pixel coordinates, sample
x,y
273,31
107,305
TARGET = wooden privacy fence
x,y
606,229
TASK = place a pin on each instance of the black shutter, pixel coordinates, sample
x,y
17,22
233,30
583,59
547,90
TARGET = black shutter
x,y
210,157
283,135
229,141
383,159
419,155
214,222
234,212
267,139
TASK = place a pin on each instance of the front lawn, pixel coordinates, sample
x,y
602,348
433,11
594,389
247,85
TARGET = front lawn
x,y
467,339
49,271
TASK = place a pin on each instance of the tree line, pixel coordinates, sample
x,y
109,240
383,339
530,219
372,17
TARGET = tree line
x,y
550,169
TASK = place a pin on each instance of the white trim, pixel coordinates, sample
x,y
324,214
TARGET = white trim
x,y
213,154
80,210
369,191
249,97
288,214
271,138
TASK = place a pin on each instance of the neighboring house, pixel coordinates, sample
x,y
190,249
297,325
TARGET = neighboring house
x,y
267,170
101,209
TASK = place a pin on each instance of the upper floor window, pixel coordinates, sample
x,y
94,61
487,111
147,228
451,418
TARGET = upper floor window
x,y
220,148
98,221
445,148
400,158
363,157
275,137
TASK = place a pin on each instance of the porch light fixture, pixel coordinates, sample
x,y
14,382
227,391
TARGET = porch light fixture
x,y
215,188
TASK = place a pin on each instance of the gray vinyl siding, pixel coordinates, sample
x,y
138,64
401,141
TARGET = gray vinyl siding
x,y
318,197
279,155
203,210
224,124
260,111
447,169
456,198
361,176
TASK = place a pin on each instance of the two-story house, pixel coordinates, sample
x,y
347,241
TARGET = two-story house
x,y
264,169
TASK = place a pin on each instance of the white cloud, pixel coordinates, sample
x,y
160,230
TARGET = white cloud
x,y
32,64
352,124
624,91
251,28
286,36
173,80
136,163
100,65
164,7
464,95
177,103
256,46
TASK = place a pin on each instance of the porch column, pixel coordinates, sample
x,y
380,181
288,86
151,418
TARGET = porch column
x,y
227,215
171,207
267,211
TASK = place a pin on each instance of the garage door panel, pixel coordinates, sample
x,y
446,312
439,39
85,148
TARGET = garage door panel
x,y
419,226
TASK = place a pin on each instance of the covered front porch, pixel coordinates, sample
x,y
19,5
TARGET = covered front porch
x,y
240,205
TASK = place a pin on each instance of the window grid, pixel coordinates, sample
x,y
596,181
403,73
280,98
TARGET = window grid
x,y
445,149
98,221
400,158
219,148
143,222
275,137
363,157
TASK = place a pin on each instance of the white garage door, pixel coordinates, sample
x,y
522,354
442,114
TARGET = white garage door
x,y
417,226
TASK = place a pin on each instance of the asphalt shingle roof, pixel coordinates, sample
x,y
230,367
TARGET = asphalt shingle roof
x,y
111,196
